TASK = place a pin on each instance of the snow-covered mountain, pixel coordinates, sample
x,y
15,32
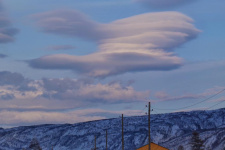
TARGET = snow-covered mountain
x,y
169,130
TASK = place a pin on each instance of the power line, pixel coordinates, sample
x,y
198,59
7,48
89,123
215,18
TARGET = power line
x,y
155,111
194,103
215,105
143,110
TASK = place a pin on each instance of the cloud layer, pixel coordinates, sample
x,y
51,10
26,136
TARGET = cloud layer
x,y
6,31
25,102
17,118
163,3
19,93
140,43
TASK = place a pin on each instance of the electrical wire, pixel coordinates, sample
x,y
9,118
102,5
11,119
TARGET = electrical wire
x,y
215,105
194,103
155,111
143,110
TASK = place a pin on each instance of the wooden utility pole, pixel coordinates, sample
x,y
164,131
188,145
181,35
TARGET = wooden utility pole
x,y
106,136
95,144
149,126
122,135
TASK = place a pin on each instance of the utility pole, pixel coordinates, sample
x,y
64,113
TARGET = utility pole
x,y
149,126
122,135
95,143
106,136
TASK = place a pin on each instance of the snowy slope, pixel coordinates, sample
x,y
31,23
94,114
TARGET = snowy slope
x,y
168,130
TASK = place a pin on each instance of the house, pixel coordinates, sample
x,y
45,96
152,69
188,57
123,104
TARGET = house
x,y
153,147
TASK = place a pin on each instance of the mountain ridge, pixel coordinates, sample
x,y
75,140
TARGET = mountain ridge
x,y
169,130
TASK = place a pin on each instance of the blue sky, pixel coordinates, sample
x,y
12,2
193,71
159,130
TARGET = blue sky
x,y
73,61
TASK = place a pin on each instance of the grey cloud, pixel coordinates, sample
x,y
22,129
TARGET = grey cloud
x,y
15,86
16,80
162,4
52,96
8,78
139,43
61,47
24,86
3,56
130,82
7,32
81,90
122,83
61,85
7,97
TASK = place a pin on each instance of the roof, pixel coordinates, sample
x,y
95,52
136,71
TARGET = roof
x,y
153,147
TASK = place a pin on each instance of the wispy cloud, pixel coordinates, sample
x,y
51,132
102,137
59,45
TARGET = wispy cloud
x,y
6,31
16,118
162,4
218,99
139,43
60,47
163,96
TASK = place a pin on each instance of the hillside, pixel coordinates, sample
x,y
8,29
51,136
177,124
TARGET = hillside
x,y
169,130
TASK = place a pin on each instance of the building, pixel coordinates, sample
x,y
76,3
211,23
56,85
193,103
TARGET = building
x,y
153,147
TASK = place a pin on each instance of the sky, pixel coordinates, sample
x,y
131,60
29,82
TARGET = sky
x,y
75,61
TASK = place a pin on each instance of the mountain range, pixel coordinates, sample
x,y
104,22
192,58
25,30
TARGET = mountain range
x,y
169,130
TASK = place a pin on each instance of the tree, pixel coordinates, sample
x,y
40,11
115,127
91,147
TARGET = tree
x,y
34,145
208,148
196,142
180,147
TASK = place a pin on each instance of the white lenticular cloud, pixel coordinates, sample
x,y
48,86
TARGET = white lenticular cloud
x,y
139,43
67,22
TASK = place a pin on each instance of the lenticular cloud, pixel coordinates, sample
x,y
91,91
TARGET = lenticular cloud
x,y
139,43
